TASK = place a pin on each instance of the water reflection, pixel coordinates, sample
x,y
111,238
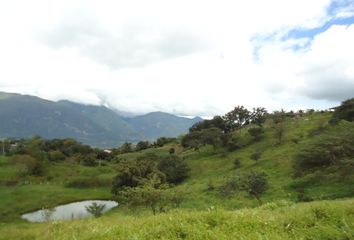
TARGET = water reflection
x,y
69,211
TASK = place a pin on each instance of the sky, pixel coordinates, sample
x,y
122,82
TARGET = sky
x,y
185,57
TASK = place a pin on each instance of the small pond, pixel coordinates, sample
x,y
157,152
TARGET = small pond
x,y
68,211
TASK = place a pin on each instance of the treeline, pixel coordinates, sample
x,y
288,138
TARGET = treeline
x,y
35,152
129,147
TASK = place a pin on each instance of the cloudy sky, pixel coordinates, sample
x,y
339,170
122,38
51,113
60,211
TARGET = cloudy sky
x,y
187,57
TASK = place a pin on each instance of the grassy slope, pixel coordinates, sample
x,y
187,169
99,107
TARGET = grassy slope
x,y
276,162
316,220
208,167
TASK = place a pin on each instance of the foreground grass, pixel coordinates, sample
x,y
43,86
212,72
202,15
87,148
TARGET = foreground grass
x,y
278,220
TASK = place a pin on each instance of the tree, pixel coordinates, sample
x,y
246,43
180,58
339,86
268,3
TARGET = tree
x,y
237,118
126,148
211,136
32,166
255,184
142,145
258,116
196,139
160,142
89,160
135,173
154,195
151,194
192,140
175,169
279,125
344,112
216,122
95,209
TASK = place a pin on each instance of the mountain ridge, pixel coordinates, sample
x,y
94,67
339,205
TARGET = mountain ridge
x,y
25,115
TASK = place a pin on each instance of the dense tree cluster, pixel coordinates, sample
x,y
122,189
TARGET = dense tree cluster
x,y
219,130
134,173
38,151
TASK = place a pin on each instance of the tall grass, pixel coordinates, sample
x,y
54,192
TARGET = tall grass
x,y
279,220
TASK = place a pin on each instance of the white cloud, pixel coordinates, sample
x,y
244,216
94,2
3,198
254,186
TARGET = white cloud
x,y
185,57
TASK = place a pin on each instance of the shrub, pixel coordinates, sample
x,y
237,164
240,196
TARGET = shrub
x,y
256,155
32,166
95,209
89,160
237,163
175,169
255,184
135,173
256,133
152,194
230,187
142,145
171,151
56,156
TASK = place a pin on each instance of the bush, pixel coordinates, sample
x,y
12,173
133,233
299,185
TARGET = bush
x,y
56,156
32,166
256,155
89,160
95,209
134,173
237,163
256,133
142,145
175,169
255,184
230,187
160,142
171,151
152,194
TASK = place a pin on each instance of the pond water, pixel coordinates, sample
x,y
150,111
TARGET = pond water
x,y
68,211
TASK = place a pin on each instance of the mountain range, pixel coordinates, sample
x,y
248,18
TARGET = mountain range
x,y
23,116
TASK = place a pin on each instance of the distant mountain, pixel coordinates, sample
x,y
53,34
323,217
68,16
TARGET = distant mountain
x,y
156,124
24,116
107,119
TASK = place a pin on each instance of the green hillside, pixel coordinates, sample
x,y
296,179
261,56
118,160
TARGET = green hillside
x,y
211,206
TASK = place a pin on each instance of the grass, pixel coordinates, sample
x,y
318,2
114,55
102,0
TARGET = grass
x,y
230,218
20,194
278,220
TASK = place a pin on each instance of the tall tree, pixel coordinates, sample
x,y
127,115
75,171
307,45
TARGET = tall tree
x,y
237,118
258,116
